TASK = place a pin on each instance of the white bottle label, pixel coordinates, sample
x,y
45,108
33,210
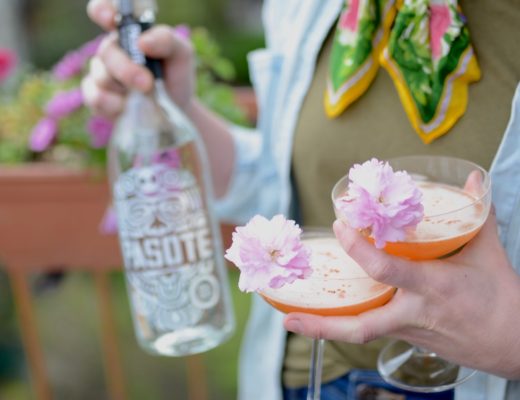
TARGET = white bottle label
x,y
167,247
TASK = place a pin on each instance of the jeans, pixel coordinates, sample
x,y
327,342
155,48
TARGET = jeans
x,y
363,385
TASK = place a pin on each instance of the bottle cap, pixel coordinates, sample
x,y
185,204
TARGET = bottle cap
x,y
144,8
133,22
137,8
125,7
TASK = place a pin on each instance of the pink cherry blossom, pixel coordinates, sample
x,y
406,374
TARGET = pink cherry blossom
x,y
269,253
384,202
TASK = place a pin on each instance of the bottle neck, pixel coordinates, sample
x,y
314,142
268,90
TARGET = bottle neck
x,y
130,28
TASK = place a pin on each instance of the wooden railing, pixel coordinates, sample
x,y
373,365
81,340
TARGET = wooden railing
x,y
49,217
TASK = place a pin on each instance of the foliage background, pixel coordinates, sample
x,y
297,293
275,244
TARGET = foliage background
x,y
54,26
65,306
24,101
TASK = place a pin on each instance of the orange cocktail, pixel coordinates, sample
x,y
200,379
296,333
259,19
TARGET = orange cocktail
x,y
452,217
456,198
455,207
337,286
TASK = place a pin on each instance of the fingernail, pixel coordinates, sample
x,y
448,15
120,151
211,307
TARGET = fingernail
x,y
107,16
294,325
140,81
339,225
146,40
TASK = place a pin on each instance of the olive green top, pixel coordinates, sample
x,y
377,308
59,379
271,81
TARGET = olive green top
x,y
376,126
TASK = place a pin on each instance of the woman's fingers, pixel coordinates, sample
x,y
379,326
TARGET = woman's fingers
x,y
484,249
474,183
363,328
113,72
102,78
119,65
163,42
102,102
103,13
379,265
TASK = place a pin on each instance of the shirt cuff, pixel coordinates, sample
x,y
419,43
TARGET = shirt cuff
x,y
237,205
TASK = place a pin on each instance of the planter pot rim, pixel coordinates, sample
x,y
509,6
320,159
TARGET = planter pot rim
x,y
46,171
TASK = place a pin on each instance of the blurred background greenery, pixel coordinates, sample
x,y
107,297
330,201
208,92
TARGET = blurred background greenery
x,y
68,320
41,32
51,27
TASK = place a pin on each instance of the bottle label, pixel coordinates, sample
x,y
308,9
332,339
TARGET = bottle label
x,y
167,246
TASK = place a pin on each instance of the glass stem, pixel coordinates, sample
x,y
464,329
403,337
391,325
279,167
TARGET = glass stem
x,y
422,350
314,389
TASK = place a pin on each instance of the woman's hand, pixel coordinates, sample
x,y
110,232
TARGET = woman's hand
x,y
112,72
464,308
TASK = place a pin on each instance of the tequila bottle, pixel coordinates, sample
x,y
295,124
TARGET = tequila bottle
x,y
170,240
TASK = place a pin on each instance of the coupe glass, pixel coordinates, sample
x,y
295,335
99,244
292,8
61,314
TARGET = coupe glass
x,y
456,199
337,286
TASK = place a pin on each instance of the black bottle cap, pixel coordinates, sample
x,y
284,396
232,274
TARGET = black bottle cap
x,y
129,30
153,64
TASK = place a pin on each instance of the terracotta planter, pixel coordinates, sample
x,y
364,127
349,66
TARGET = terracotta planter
x,y
50,216
49,219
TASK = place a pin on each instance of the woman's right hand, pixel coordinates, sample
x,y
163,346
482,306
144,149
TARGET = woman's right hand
x,y
112,73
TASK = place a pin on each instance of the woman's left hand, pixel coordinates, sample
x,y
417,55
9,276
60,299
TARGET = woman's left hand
x,y
465,308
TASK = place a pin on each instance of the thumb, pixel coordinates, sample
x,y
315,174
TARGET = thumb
x,y
379,265
361,328
162,42
103,13
485,244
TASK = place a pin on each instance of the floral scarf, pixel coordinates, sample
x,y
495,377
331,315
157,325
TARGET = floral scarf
x,y
425,47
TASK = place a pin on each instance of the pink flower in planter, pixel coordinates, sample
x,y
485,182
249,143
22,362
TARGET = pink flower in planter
x,y
269,253
384,202
64,103
43,134
108,224
70,65
100,130
7,63
183,31
73,62
90,48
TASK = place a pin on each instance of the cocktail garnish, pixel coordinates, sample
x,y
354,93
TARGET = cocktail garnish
x,y
269,253
383,203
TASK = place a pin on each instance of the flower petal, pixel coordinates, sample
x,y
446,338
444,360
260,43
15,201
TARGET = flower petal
x,y
43,134
269,253
385,202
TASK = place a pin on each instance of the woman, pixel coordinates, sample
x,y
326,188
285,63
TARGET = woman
x,y
289,164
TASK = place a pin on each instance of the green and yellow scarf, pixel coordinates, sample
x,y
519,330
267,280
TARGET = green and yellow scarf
x,y
425,47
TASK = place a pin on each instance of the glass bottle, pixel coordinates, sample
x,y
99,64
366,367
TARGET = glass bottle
x,y
170,240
